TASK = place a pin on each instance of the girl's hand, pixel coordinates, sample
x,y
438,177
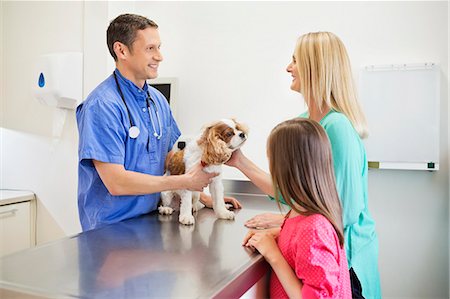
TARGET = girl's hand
x,y
264,242
266,220
248,237
274,232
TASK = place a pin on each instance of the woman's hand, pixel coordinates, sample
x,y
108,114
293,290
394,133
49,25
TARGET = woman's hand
x,y
266,220
235,159
207,201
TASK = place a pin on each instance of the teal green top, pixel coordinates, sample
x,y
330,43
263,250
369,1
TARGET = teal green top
x,y
350,168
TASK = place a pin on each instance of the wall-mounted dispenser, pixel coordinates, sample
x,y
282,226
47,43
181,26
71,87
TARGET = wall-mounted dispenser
x,y
58,79
58,82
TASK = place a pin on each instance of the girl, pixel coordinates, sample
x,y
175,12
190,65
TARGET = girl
x,y
321,72
310,260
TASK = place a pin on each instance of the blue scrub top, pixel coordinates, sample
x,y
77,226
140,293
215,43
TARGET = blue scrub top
x,y
103,125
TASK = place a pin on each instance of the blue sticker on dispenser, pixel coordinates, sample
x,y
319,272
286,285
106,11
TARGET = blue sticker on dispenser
x,y
41,81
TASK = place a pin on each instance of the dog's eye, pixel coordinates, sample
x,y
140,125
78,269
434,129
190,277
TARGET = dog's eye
x,y
229,134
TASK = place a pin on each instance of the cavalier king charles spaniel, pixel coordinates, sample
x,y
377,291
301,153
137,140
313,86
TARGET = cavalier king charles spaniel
x,y
212,149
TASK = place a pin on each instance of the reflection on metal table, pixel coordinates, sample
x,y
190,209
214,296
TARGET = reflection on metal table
x,y
147,257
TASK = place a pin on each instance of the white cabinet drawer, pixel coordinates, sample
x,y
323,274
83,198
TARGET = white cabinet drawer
x,y
15,227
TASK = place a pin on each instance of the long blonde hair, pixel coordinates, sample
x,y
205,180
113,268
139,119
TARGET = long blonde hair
x,y
301,167
326,77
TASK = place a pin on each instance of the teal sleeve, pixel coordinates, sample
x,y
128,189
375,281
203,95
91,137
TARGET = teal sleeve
x,y
280,197
347,159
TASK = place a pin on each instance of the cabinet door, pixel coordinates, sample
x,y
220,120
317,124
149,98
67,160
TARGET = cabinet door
x,y
15,227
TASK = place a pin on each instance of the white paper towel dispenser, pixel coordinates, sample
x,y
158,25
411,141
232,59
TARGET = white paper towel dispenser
x,y
58,79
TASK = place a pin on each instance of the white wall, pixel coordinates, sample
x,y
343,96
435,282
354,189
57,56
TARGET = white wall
x,y
448,120
31,159
230,59
2,102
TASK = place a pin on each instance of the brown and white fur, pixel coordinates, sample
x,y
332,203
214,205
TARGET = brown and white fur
x,y
212,149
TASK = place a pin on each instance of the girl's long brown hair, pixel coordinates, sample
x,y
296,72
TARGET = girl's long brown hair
x,y
301,167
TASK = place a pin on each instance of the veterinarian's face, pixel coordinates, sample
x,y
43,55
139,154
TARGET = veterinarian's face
x,y
145,54
292,69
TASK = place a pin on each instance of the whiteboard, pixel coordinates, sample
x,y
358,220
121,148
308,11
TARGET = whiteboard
x,y
401,103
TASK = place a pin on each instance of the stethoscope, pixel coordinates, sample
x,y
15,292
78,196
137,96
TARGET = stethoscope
x,y
134,131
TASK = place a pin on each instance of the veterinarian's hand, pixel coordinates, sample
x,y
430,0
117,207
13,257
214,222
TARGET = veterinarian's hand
x,y
236,204
198,179
266,220
207,201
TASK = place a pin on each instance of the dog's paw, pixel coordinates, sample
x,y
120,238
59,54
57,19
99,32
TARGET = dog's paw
x,y
225,214
165,218
186,219
197,206
165,210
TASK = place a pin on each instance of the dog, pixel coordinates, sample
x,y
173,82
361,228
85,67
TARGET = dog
x,y
212,149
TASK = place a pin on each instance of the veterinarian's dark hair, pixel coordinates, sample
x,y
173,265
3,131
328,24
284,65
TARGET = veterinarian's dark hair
x,y
124,29
301,166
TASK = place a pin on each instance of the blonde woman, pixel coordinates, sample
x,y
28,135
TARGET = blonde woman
x,y
321,72
308,259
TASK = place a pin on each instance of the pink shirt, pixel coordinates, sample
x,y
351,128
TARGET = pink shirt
x,y
311,247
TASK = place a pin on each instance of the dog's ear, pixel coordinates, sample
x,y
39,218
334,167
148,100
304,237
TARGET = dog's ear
x,y
240,126
175,163
215,150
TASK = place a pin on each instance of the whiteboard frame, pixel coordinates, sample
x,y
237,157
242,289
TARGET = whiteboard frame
x,y
403,165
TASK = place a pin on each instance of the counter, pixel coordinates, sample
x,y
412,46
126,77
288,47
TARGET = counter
x,y
14,196
147,257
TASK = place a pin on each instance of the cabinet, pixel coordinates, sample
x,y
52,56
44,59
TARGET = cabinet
x,y
17,221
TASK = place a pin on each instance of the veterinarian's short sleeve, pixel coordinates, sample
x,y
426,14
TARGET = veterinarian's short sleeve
x,y
103,138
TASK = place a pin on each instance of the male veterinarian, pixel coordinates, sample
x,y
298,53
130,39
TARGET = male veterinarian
x,y
126,130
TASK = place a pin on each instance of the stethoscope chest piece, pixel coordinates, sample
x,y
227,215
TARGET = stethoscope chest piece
x,y
134,132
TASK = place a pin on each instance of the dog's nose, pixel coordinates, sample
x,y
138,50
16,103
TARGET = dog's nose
x,y
242,135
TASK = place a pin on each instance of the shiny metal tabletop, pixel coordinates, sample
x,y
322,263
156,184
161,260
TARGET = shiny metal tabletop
x,y
147,257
